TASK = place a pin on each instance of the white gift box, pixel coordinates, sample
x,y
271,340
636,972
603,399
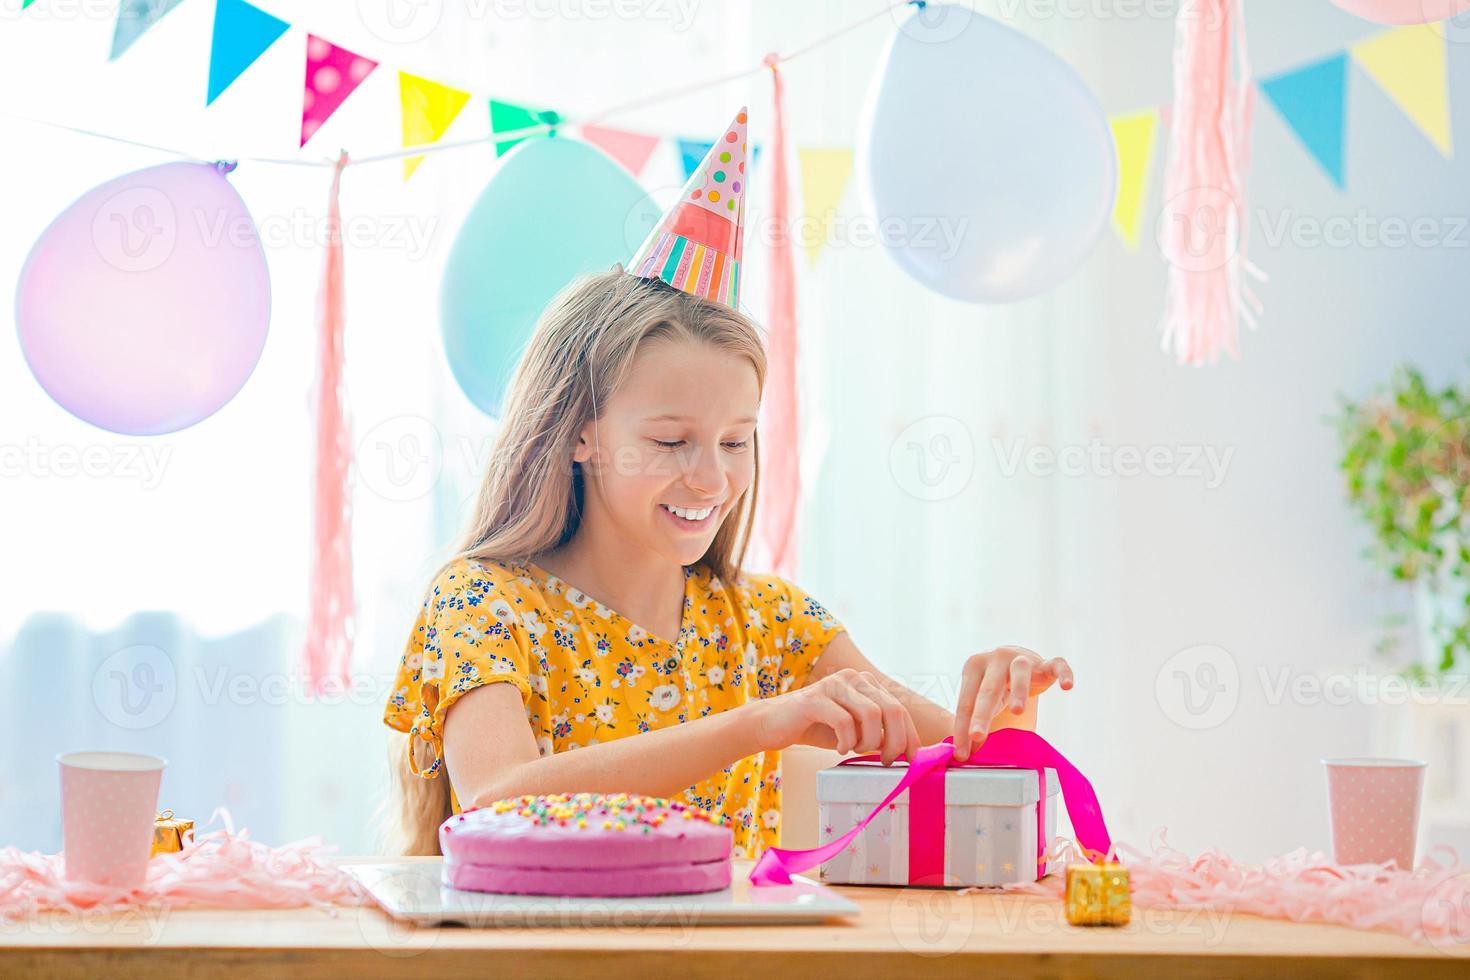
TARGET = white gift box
x,y
990,824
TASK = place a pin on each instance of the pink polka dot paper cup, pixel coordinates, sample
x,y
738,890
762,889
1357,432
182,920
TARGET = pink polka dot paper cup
x,y
1374,809
108,802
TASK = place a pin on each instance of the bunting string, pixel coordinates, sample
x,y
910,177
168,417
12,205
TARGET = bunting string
x,y
1408,64
419,149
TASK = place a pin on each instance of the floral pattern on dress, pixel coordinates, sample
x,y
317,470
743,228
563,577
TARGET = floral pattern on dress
x,y
588,675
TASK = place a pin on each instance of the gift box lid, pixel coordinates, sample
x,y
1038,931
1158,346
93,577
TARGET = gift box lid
x,y
869,782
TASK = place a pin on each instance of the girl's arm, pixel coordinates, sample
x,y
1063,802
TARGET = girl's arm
x,y
491,754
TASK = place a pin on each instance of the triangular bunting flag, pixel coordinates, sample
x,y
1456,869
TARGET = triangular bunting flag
x,y
691,154
632,150
1409,64
241,34
331,75
1133,136
507,117
428,109
134,17
1313,101
824,175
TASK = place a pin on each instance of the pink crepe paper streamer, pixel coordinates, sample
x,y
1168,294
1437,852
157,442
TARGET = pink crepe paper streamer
x,y
329,623
780,477
220,869
1425,904
1205,223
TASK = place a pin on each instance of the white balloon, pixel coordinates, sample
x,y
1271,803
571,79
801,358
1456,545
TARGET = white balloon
x,y
987,162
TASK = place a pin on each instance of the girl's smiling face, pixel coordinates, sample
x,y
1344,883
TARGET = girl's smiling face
x,y
674,448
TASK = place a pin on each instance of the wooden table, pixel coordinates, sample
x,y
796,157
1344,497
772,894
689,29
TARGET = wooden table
x,y
901,932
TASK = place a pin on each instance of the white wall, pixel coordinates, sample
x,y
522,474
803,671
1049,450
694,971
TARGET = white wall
x,y
1120,574
1115,574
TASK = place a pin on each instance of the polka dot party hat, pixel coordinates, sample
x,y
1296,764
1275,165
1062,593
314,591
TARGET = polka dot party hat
x,y
697,245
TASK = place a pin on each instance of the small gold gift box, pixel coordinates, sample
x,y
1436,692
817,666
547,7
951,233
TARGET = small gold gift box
x,y
1098,895
170,834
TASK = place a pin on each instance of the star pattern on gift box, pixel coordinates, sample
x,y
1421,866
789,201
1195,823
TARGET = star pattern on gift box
x,y
979,831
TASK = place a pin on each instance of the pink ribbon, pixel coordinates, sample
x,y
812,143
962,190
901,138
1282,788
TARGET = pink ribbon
x,y
924,779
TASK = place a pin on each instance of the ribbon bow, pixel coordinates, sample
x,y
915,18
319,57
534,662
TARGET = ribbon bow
x,y
1008,747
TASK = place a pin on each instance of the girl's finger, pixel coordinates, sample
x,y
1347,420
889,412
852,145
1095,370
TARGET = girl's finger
x,y
895,732
1020,683
965,707
987,702
837,718
867,716
913,743
1062,671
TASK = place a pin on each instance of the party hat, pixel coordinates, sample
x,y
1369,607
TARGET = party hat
x,y
696,246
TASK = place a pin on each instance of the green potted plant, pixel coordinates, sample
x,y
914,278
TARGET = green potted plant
x,y
1406,459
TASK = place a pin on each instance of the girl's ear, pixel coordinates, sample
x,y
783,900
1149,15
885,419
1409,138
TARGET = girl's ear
x,y
582,451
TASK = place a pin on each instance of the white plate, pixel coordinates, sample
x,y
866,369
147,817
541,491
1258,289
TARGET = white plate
x,y
412,890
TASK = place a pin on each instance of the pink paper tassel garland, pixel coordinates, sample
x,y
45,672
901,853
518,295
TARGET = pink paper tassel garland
x,y
1204,224
329,623
780,477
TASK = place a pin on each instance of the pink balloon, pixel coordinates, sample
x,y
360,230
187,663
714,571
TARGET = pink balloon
x,y
143,306
1404,11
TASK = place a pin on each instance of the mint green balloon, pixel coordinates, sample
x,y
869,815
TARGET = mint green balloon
x,y
554,209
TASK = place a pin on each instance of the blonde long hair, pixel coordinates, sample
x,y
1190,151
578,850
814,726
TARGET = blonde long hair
x,y
530,500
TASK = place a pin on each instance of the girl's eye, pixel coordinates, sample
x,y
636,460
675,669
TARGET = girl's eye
x,y
738,445
662,444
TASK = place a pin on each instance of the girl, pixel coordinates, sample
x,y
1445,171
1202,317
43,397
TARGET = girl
x,y
597,601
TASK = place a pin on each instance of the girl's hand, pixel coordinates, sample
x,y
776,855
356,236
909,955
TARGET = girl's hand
x,y
1004,676
848,710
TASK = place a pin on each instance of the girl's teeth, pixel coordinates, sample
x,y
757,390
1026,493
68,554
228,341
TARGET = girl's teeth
x,y
689,515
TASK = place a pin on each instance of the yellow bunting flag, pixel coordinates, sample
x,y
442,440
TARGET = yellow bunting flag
x,y
1133,135
824,175
428,109
1408,63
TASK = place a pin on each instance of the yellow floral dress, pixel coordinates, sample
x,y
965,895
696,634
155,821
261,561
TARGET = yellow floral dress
x,y
587,675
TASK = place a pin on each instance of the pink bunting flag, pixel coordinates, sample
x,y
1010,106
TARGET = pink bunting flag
x,y
331,75
780,477
632,150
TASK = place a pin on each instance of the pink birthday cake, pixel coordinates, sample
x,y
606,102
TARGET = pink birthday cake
x,y
588,844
